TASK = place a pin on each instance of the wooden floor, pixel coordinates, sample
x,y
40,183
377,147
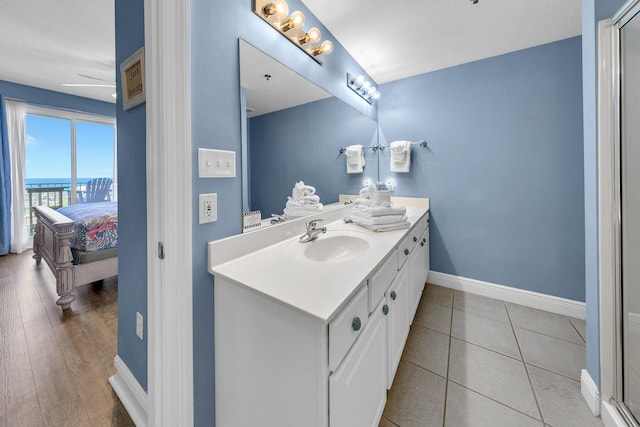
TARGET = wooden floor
x,y
55,365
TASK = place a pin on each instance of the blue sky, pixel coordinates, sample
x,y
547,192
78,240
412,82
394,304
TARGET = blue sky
x,y
48,150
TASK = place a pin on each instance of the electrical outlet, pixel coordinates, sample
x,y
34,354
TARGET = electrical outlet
x,y
208,208
139,325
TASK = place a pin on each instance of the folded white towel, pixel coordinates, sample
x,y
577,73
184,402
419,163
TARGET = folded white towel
x,y
365,192
364,210
355,158
400,156
385,227
366,202
291,212
378,220
301,190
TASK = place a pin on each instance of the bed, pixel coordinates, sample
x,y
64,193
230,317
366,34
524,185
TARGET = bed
x,y
79,244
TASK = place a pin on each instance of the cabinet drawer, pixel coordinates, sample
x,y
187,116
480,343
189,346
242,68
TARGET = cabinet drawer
x,y
381,279
345,328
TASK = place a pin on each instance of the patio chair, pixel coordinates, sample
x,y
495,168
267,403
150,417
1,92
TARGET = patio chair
x,y
97,190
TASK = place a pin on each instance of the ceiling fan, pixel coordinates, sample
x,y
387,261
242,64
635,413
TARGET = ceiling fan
x,y
106,83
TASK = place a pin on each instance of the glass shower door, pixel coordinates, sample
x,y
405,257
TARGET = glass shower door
x,y
630,214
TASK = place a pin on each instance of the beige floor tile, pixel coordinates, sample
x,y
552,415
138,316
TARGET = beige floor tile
x,y
428,349
553,354
433,316
491,334
544,322
416,398
386,423
560,400
466,408
438,294
493,375
581,326
480,306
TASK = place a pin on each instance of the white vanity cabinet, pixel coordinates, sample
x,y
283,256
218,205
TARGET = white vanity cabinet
x,y
282,364
397,301
358,388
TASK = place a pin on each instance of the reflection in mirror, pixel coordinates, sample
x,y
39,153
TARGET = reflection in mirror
x,y
292,131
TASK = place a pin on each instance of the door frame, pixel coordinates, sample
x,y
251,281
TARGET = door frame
x,y
169,213
609,209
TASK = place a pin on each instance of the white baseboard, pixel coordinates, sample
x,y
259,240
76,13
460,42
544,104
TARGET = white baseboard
x,y
563,306
590,392
130,393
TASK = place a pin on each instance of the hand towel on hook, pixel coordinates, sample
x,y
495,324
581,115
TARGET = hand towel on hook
x,y
400,156
355,158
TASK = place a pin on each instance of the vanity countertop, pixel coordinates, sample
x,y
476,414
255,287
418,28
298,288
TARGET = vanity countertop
x,y
320,288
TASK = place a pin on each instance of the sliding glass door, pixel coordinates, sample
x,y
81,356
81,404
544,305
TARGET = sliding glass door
x,y
63,151
629,161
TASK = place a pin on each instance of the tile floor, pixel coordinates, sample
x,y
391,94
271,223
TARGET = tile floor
x,y
475,361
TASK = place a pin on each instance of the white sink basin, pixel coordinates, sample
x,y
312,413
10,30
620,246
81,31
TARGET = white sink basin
x,y
336,248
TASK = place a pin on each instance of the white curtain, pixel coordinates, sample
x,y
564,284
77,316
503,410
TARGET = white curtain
x,y
16,124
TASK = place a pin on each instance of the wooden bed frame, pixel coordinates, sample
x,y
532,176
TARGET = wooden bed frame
x,y
51,243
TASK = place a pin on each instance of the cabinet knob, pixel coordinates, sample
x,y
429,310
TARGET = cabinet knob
x,y
406,251
385,309
393,295
424,240
415,239
356,324
421,243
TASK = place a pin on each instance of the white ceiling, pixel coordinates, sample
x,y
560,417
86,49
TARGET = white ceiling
x,y
394,39
45,43
283,89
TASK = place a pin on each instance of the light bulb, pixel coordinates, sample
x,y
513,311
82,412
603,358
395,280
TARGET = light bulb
x,y
282,8
376,95
298,19
326,47
359,80
366,85
312,36
279,8
372,91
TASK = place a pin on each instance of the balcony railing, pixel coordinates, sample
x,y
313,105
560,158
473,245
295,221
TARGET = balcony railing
x,y
54,195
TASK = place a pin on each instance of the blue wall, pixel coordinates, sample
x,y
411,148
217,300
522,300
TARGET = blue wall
x,y
301,143
215,101
48,98
592,12
132,200
504,165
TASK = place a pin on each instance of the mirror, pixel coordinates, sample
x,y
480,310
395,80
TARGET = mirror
x,y
292,131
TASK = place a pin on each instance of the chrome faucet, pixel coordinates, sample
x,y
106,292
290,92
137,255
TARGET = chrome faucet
x,y
312,232
275,218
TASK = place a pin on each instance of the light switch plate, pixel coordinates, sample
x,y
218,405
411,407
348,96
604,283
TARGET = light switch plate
x,y
216,163
208,208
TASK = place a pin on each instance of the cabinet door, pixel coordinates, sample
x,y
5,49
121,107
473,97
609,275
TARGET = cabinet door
x,y
397,299
358,388
415,266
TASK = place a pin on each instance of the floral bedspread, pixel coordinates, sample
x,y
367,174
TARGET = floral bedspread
x,y
96,225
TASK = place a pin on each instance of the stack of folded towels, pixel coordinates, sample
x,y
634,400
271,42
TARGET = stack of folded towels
x,y
374,211
302,202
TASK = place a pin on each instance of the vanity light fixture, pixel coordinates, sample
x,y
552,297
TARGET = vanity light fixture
x,y
276,13
363,88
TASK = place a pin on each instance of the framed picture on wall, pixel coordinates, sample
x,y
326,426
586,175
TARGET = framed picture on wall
x,y
132,76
